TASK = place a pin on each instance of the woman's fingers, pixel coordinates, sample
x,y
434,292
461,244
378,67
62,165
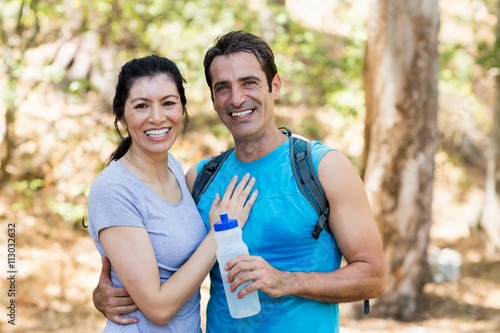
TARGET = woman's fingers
x,y
230,188
243,189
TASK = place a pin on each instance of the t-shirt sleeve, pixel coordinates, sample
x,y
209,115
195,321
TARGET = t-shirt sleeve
x,y
112,204
201,163
318,150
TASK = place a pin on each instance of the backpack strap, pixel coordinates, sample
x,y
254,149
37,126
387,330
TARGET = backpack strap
x,y
310,187
207,174
307,179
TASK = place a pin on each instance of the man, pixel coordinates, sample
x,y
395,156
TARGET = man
x,y
299,278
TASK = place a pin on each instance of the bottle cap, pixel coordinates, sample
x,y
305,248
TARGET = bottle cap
x,y
225,223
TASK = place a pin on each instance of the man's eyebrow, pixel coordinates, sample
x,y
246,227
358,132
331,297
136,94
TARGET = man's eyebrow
x,y
241,79
221,83
249,78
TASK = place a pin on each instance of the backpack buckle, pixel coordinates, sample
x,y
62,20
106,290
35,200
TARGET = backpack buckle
x,y
319,226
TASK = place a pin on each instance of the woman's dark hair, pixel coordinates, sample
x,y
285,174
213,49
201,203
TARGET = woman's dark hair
x,y
132,71
241,41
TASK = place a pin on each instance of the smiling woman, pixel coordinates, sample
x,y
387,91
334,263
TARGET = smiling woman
x,y
141,213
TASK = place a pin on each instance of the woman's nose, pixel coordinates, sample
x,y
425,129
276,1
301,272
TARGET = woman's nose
x,y
157,114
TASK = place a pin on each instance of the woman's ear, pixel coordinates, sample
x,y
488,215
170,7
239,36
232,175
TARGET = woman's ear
x,y
123,124
117,128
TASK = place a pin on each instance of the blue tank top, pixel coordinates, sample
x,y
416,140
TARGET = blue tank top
x,y
279,229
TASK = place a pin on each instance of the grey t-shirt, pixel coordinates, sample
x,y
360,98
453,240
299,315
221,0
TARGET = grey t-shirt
x,y
118,198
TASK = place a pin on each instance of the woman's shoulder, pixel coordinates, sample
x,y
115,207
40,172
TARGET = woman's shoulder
x,y
115,176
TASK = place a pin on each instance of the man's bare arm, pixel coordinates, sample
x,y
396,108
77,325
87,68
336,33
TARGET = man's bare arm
x,y
357,236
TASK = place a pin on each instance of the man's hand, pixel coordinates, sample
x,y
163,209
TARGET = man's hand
x,y
111,301
261,275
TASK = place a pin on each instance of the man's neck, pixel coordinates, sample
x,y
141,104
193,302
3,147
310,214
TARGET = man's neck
x,y
251,150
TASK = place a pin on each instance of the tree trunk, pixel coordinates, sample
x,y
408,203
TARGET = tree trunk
x,y
401,71
490,217
13,60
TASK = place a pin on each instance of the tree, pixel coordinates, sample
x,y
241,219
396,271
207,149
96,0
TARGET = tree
x,y
401,73
490,217
16,42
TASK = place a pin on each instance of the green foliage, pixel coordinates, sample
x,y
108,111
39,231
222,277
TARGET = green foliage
x,y
313,69
27,189
70,212
488,55
78,86
456,65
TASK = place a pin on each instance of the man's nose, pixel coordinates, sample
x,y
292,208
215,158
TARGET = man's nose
x,y
237,97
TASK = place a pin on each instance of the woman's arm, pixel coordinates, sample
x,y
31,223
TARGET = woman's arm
x,y
132,255
130,251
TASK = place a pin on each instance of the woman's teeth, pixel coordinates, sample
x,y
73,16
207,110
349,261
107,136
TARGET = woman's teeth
x,y
157,133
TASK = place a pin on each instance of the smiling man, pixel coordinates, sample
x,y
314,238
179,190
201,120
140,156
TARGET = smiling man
x,y
299,278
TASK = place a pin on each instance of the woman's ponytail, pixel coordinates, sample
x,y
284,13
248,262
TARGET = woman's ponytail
x,y
123,146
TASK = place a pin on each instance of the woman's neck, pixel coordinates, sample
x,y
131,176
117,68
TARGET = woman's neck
x,y
154,172
147,168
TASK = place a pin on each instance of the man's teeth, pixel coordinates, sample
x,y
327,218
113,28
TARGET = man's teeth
x,y
157,133
241,114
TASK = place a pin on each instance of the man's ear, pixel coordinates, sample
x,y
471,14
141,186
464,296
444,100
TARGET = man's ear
x,y
276,86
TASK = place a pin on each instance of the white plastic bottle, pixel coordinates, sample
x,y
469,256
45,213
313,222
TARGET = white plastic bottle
x,y
230,244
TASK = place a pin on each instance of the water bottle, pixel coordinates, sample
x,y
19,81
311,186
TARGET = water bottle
x,y
230,244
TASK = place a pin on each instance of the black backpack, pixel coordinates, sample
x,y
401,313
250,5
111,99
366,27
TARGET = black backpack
x,y
303,171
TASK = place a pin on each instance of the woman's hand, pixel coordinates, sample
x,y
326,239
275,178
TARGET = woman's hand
x,y
234,202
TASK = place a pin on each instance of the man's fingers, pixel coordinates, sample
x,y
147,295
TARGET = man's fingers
x,y
115,301
121,294
106,265
123,320
123,309
105,271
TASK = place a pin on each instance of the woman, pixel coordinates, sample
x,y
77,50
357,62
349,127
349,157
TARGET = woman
x,y
141,214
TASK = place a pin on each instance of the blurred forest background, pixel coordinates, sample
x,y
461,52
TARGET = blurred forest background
x,y
58,67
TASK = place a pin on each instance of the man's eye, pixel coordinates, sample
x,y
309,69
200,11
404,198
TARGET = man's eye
x,y
220,88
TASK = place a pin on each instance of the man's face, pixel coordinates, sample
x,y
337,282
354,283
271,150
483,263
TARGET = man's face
x,y
241,95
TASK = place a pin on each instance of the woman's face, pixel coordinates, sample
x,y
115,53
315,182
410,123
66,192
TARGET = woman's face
x,y
153,115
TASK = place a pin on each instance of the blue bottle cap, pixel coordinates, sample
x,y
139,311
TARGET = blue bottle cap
x,y
225,223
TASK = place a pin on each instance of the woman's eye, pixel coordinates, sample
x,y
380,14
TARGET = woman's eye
x,y
140,106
